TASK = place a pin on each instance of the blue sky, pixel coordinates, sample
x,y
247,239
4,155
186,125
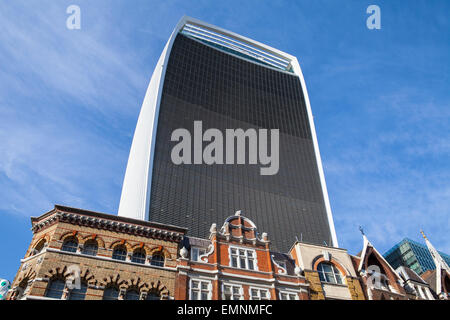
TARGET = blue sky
x,y
69,101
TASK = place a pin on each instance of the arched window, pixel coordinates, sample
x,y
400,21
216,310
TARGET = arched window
x,y
120,253
39,247
22,289
111,293
329,273
55,289
157,259
138,256
132,294
70,245
78,294
90,247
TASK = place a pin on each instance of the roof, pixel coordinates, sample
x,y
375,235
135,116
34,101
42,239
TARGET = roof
x,y
195,242
366,246
409,275
430,278
283,257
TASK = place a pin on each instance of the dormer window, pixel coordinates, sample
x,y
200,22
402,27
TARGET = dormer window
x,y
329,273
243,258
196,253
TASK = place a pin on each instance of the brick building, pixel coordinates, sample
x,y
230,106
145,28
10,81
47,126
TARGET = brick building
x,y
236,263
329,271
116,258
378,279
83,255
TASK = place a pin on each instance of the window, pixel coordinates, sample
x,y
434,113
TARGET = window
x,y
78,294
284,295
120,253
138,256
23,288
259,294
70,245
153,296
329,273
196,253
132,294
90,248
39,247
282,264
55,289
157,259
231,292
200,290
111,293
243,258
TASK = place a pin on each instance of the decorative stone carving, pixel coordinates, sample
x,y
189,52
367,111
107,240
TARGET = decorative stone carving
x,y
184,253
326,255
204,257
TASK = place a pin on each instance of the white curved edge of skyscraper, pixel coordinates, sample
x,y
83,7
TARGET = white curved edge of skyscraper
x,y
136,189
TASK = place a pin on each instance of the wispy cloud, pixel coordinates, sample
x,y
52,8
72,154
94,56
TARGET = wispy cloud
x,y
69,101
62,95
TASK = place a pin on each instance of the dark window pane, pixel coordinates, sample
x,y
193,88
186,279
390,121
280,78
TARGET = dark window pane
x,y
55,289
70,245
111,293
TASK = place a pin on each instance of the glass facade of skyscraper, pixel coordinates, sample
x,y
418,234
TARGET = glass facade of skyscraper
x,y
225,90
413,255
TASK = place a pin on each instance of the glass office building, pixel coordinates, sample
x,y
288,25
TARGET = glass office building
x,y
413,255
228,82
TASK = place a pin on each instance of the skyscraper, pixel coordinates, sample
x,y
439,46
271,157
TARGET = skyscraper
x,y
413,255
227,81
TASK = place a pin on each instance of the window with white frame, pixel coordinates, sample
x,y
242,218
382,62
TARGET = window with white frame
x,y
243,258
232,292
329,273
196,253
259,294
286,295
200,289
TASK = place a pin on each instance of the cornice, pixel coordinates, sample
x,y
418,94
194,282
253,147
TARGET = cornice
x,y
147,229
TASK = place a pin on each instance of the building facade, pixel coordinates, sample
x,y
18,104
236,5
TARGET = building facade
x,y
415,287
378,278
236,263
225,81
113,258
77,254
414,255
83,255
329,271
